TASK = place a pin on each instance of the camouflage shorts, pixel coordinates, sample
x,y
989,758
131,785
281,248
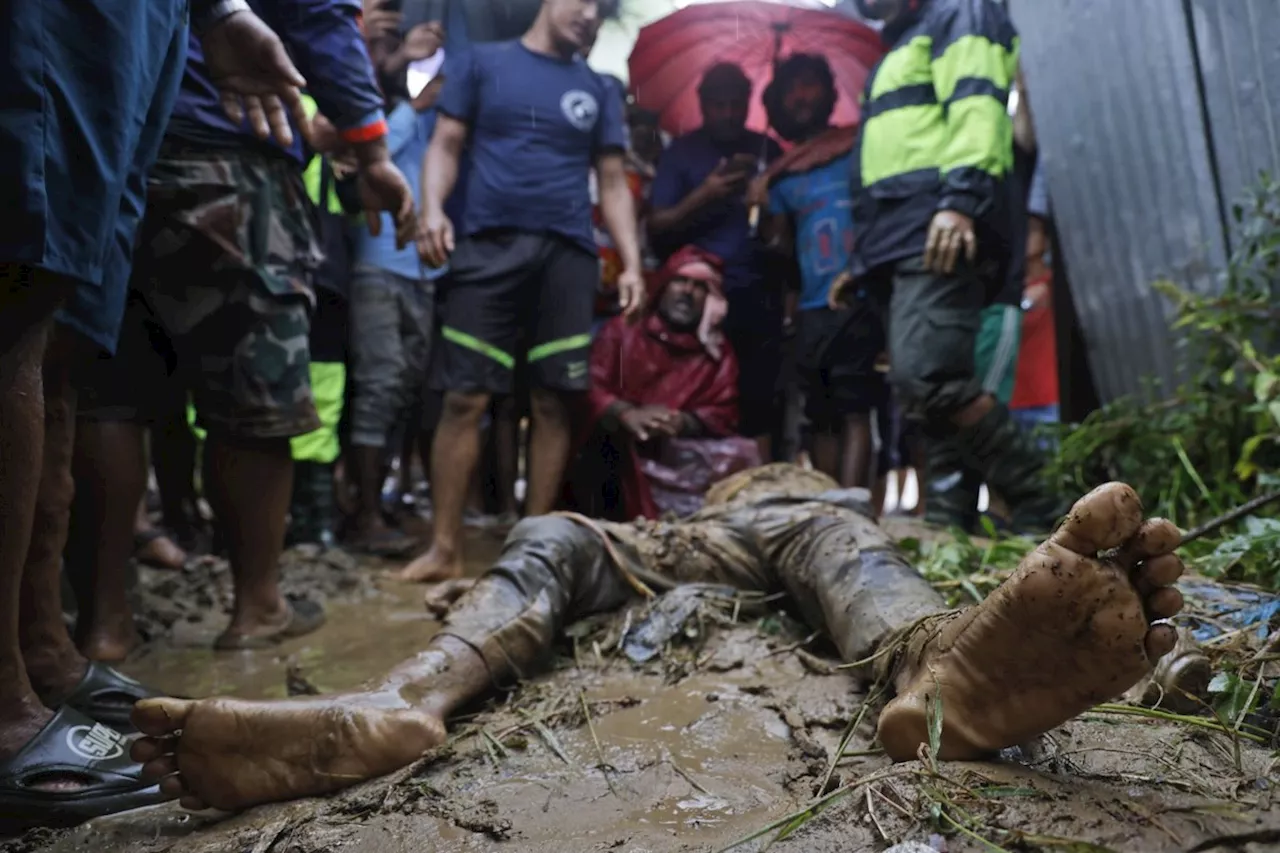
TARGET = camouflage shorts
x,y
224,264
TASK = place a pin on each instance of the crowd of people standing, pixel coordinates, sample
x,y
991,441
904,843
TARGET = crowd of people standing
x,y
533,251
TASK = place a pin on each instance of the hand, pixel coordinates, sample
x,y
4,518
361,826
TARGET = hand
x,y
383,187
838,295
1037,294
758,192
631,293
949,232
380,20
423,41
322,136
646,422
435,238
344,164
255,77
724,181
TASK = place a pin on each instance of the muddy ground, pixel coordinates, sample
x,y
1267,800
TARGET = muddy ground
x,y
732,730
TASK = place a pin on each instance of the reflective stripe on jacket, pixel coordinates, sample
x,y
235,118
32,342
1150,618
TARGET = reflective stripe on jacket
x,y
936,132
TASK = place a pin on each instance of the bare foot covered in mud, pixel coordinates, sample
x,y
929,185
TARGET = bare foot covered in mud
x,y
230,754
1067,630
442,596
432,567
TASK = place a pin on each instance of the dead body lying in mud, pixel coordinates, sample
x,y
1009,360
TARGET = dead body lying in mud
x,y
1075,625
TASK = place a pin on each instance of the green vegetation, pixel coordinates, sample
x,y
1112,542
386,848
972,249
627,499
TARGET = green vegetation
x,y
1215,442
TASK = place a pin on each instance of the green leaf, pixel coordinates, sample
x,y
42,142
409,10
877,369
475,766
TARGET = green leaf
x,y
1264,386
935,719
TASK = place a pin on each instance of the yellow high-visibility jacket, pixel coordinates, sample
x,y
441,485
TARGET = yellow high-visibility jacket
x,y
936,132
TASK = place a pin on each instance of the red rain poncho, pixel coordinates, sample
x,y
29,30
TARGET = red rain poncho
x,y
650,364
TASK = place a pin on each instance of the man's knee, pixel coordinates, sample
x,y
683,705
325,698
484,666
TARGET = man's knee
x,y
464,408
555,532
933,375
29,298
549,407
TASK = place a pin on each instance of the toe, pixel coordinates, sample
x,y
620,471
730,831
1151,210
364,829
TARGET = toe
x,y
160,717
159,768
193,804
1160,641
1156,537
146,749
1164,603
1101,520
1160,571
173,787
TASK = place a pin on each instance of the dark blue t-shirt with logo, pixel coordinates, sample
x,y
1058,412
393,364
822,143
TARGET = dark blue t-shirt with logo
x,y
537,124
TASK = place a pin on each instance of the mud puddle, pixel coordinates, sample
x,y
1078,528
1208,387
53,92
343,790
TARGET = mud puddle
x,y
691,752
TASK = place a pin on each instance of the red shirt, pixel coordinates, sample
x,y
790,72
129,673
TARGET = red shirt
x,y
1036,384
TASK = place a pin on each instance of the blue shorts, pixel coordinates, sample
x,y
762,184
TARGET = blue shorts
x,y
87,88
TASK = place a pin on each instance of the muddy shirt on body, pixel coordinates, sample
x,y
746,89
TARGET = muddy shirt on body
x,y
537,124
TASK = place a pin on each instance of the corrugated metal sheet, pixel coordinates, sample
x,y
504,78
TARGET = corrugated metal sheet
x,y
1114,91
1239,45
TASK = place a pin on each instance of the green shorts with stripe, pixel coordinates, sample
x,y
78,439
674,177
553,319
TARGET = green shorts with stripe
x,y
996,351
513,296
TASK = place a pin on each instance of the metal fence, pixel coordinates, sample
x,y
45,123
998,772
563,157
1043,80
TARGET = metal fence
x,y
1152,117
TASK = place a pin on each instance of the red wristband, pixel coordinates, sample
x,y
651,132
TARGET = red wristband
x,y
368,133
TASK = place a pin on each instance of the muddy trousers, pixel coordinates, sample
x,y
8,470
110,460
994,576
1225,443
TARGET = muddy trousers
x,y
839,568
933,322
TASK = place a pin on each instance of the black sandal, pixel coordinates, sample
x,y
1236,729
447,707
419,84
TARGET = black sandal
x,y
71,746
108,696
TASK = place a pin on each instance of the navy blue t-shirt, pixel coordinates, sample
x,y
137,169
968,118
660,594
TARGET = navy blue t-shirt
x,y
722,228
537,124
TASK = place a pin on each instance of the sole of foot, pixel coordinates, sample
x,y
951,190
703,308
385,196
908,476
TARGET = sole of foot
x,y
1070,628
230,754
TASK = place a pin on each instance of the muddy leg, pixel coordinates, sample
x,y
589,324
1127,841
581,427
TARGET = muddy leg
x,y
454,460
27,305
249,484
232,754
111,476
54,664
844,574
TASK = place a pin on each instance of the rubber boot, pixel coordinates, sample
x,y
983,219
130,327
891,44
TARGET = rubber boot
x,y
1011,464
301,512
323,508
950,489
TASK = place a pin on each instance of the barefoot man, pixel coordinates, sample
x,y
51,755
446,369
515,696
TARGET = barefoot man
x,y
1071,628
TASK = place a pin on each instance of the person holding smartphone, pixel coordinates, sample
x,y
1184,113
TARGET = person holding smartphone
x,y
699,198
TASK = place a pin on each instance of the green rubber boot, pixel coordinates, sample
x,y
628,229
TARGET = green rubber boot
x,y
1009,461
950,488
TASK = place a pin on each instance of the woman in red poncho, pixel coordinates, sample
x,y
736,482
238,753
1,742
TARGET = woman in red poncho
x,y
663,403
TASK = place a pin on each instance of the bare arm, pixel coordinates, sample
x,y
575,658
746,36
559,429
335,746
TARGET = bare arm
x,y
666,219
440,164
618,208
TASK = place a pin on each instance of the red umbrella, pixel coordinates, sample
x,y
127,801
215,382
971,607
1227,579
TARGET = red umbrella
x,y
673,53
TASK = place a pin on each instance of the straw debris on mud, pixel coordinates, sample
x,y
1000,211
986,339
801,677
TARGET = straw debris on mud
x,y
742,729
